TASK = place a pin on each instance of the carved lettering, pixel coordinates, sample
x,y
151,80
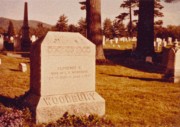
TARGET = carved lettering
x,y
69,98
64,72
68,50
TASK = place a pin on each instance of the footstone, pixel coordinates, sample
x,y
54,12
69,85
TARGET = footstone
x,y
22,67
63,77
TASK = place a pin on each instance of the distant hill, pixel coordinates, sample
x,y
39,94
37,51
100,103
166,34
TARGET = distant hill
x,y
4,22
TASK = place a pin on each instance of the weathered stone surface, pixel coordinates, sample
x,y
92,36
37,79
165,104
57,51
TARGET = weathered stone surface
x,y
51,108
177,67
173,65
63,77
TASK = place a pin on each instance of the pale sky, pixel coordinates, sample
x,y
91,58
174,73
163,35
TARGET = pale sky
x,y
48,11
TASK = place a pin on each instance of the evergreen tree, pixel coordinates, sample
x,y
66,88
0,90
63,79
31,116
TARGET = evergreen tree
x,y
108,28
82,26
62,24
41,30
10,31
2,31
72,28
118,28
132,4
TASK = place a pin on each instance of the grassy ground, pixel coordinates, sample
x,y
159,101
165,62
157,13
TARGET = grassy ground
x,y
135,93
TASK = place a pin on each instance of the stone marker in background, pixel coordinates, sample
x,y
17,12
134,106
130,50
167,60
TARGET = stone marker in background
x,y
23,67
63,77
173,65
1,42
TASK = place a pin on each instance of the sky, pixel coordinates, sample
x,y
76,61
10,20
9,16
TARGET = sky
x,y
49,11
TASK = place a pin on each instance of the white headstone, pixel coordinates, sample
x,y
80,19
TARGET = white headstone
x,y
177,67
164,43
23,67
116,40
1,42
169,40
63,77
33,38
173,65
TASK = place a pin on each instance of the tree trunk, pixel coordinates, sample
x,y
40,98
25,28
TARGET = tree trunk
x,y
94,31
130,19
145,42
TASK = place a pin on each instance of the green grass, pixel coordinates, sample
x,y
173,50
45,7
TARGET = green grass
x,y
134,91
13,82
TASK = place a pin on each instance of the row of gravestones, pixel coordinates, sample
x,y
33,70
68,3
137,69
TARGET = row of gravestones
x,y
12,43
160,43
117,40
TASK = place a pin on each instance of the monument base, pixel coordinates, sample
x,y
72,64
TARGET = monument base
x,y
50,108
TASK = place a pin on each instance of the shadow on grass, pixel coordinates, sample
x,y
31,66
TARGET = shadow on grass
x,y
139,78
14,70
13,102
125,58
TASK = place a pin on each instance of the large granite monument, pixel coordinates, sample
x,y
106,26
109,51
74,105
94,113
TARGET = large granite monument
x,y
25,40
63,77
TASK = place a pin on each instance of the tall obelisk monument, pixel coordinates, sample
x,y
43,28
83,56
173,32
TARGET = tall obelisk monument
x,y
25,40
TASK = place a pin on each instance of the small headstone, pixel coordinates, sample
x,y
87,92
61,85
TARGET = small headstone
x,y
17,43
33,38
116,40
149,59
164,43
63,77
104,40
0,62
1,42
170,41
23,67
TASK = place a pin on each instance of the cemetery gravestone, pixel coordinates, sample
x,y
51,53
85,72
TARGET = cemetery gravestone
x,y
63,77
1,42
104,40
177,67
170,41
23,67
0,62
173,66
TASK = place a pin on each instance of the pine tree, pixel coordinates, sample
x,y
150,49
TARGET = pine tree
x,y
72,28
10,31
62,24
108,28
118,28
82,26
